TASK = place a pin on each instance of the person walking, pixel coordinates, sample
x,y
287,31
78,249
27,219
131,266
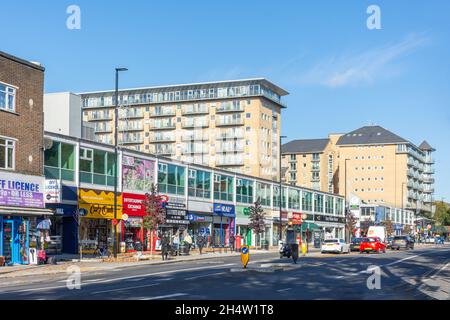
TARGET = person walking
x,y
176,241
164,247
200,242
188,241
232,242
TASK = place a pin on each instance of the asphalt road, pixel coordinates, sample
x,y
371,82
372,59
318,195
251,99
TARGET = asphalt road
x,y
418,274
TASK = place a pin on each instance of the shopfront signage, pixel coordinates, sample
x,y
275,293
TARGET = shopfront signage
x,y
331,219
296,218
133,204
175,202
225,210
53,192
99,204
176,216
199,218
19,190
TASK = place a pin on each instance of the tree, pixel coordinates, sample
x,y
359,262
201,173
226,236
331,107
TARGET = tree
x,y
406,229
389,227
350,224
257,214
154,213
442,214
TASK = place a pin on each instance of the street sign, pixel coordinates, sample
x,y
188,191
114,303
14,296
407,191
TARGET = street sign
x,y
245,256
115,222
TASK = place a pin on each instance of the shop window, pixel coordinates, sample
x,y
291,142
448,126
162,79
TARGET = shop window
x,y
171,179
223,188
307,201
199,184
318,202
244,191
59,162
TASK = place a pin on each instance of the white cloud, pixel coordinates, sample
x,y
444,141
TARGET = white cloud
x,y
361,68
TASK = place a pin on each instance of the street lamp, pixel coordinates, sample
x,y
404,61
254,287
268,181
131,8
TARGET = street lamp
x,y
116,155
280,226
346,200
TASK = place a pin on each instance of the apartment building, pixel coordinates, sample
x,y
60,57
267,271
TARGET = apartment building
x,y
232,125
21,156
371,163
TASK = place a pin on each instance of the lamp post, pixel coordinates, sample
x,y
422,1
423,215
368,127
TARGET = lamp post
x,y
116,155
346,199
280,226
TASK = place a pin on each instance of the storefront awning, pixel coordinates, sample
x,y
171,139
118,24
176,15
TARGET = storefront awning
x,y
12,211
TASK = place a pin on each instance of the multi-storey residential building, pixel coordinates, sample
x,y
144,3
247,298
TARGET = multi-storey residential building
x,y
234,125
370,163
21,156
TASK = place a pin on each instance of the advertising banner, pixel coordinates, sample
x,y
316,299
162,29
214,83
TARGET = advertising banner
x,y
133,204
99,204
137,174
19,190
53,192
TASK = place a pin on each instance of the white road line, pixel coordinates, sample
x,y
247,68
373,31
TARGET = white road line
x,y
126,288
283,290
123,278
401,260
167,296
205,275
434,275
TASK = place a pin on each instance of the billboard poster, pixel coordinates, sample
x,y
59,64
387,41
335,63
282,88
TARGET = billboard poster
x,y
137,174
19,190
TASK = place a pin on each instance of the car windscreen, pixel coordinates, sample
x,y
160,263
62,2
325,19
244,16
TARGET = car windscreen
x,y
368,240
331,241
357,240
400,238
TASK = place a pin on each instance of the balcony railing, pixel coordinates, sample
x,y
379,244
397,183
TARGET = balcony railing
x,y
162,138
196,137
230,148
131,140
162,113
131,127
230,135
100,116
195,110
103,129
232,161
230,122
162,125
165,151
131,114
195,124
229,107
196,150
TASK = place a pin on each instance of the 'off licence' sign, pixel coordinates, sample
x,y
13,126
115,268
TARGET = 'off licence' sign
x,y
21,190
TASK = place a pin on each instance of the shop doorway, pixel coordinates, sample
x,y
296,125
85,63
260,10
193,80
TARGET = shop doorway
x,y
8,241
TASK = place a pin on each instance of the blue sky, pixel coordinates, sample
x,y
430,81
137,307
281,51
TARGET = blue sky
x,y
340,74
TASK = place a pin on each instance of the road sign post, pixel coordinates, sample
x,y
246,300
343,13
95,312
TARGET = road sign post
x,y
245,255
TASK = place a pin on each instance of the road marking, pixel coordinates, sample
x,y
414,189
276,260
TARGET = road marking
x,y
434,275
284,290
167,296
123,278
126,288
204,276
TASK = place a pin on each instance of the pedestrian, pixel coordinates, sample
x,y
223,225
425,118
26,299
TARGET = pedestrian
x,y
176,241
232,242
188,240
200,242
164,247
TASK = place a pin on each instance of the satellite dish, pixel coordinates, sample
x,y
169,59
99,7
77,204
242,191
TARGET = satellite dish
x,y
48,144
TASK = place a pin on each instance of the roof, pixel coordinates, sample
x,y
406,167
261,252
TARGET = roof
x,y
305,146
22,61
425,146
278,90
370,135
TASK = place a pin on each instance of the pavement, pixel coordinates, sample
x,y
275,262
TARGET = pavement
x,y
420,274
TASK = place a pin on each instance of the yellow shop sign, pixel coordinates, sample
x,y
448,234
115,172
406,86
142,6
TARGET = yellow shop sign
x,y
99,204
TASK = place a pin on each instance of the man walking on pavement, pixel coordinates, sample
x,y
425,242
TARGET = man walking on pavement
x,y
164,247
232,242
200,242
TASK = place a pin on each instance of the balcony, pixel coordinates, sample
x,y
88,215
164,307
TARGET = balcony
x,y
230,135
162,126
229,122
103,129
100,116
230,148
428,180
135,140
428,190
193,110
195,124
130,127
315,179
136,114
230,107
162,113
410,173
162,138
229,161
428,170
167,152
429,160
196,150
195,137
315,169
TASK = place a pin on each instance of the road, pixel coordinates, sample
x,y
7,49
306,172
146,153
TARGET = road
x,y
417,274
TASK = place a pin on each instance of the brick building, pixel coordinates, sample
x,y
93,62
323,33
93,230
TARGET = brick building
x,y
21,156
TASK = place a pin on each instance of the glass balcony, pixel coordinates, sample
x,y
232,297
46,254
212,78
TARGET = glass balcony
x,y
162,138
230,107
103,128
160,125
195,109
223,148
229,122
195,123
100,116
166,112
195,137
229,161
131,114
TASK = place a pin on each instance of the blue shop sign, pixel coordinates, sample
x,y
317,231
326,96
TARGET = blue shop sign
x,y
224,210
62,210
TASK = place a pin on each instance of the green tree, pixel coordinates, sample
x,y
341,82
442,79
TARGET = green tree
x,y
257,214
389,227
350,224
406,229
442,214
155,214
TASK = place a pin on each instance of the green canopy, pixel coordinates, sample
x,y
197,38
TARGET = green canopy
x,y
307,225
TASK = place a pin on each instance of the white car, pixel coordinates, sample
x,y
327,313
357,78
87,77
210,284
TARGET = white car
x,y
336,246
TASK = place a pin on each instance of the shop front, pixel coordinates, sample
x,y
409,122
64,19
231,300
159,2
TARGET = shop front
x,y
63,201
96,210
276,226
224,218
200,216
132,225
331,226
21,204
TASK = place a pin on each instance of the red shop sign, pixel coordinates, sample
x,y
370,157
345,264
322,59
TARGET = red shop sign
x,y
133,204
296,218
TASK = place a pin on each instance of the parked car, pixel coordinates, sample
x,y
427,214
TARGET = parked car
x,y
389,242
355,244
402,242
372,244
336,246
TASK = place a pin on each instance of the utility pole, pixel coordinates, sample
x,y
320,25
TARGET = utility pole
x,y
280,226
116,155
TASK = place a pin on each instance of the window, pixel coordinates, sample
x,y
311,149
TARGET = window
x,y
318,202
244,191
276,197
294,199
97,167
7,147
263,193
171,179
223,188
307,201
329,203
7,98
199,184
59,162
